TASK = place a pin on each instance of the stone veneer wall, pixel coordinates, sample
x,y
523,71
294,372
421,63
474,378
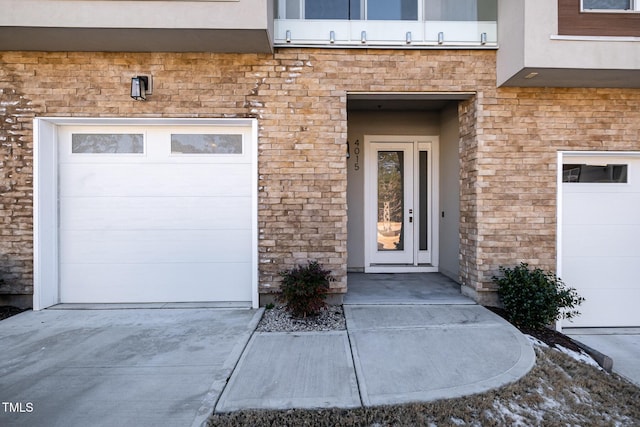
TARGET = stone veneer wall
x,y
468,149
509,139
520,131
16,192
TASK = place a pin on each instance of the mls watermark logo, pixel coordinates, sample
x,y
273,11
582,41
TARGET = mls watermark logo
x,y
17,407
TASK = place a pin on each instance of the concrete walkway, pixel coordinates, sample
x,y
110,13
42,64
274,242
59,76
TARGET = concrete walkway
x,y
403,288
389,354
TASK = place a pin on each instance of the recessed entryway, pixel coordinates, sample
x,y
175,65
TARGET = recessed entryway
x,y
415,136
145,212
599,231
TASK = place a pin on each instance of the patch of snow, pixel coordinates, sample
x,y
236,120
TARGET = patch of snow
x,y
457,421
510,414
550,403
536,342
578,356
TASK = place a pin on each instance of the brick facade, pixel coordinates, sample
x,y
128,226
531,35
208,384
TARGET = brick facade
x,y
508,141
522,131
16,184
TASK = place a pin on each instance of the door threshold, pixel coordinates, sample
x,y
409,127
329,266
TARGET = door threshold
x,y
399,268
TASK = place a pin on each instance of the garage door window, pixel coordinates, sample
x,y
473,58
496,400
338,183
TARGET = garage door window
x,y
107,143
594,173
206,144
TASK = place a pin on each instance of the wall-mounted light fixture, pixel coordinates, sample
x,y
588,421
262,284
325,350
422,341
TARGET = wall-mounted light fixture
x,y
363,37
440,37
407,37
287,36
483,38
141,86
332,36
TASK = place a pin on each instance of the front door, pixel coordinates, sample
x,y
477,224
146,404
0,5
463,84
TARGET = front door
x,y
399,203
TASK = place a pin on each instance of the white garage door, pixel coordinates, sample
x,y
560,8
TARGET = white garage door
x,y
155,214
601,237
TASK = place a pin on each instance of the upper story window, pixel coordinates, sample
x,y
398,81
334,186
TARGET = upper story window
x,y
599,18
389,10
349,9
610,5
408,23
398,10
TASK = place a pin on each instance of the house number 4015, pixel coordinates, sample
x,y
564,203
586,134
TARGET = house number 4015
x,y
356,153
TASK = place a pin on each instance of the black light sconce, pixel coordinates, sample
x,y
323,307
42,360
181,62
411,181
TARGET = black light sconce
x,y
141,86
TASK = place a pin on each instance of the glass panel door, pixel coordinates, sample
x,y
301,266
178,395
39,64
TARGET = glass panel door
x,y
424,202
399,203
423,197
391,203
390,224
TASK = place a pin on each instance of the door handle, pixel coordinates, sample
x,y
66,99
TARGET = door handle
x,y
410,215
410,219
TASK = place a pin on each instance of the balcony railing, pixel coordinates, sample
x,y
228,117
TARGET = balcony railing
x,y
406,23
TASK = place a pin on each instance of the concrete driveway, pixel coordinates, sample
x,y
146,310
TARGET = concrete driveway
x,y
118,367
620,344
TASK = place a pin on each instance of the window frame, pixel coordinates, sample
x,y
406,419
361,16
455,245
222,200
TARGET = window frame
x,y
282,11
580,166
635,8
242,152
108,153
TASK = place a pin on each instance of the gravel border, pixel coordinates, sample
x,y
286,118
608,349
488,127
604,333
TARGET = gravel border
x,y
277,319
7,311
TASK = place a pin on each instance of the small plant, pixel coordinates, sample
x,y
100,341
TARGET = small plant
x,y
269,306
304,289
535,298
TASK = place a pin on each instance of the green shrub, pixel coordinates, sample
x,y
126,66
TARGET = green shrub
x,y
304,289
535,298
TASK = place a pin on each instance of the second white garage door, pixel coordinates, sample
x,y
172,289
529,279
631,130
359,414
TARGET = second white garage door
x,y
601,237
155,214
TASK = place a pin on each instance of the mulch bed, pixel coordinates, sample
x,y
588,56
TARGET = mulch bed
x,y
8,311
548,336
